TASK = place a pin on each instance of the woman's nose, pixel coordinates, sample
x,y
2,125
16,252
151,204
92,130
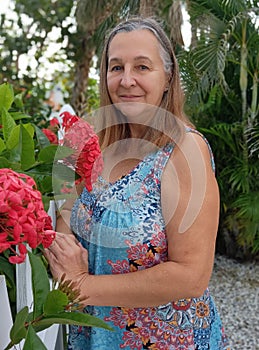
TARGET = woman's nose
x,y
128,79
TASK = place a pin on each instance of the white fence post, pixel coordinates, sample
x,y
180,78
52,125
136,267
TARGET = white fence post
x,y
6,316
24,296
52,336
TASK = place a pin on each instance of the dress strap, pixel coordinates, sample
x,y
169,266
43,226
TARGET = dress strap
x,y
162,158
188,129
164,154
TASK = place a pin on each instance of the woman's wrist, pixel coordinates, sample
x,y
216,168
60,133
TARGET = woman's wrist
x,y
85,285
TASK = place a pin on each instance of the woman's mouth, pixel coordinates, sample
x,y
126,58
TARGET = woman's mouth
x,y
130,97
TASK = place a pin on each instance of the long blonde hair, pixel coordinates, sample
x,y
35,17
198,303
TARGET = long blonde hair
x,y
172,102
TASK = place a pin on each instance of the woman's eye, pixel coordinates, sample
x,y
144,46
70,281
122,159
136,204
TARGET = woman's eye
x,y
143,67
115,68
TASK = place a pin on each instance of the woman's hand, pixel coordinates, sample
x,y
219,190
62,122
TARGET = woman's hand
x,y
67,256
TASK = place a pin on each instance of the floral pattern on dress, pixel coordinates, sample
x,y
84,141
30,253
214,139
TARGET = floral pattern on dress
x,y
144,330
172,323
121,224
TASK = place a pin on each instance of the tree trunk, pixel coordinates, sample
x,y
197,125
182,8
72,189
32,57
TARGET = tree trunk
x,y
176,21
146,8
79,100
194,26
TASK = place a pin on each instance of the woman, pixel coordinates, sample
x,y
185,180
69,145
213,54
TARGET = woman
x,y
148,228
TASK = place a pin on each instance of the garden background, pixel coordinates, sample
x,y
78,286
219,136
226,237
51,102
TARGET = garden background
x,y
55,46
49,56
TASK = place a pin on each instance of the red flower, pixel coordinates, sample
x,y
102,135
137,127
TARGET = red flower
x,y
68,120
54,122
86,159
51,136
23,219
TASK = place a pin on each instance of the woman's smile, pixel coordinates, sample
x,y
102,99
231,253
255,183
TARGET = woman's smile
x,y
129,97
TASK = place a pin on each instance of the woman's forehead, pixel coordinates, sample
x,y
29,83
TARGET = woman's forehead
x,y
139,41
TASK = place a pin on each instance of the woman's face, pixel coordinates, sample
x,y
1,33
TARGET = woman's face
x,y
135,70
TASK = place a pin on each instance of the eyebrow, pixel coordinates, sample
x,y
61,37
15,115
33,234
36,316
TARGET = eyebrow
x,y
138,58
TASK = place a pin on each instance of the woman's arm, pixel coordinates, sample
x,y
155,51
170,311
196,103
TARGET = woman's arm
x,y
190,205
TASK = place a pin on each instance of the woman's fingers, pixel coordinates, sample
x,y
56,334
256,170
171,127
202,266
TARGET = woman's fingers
x,y
67,255
62,242
64,239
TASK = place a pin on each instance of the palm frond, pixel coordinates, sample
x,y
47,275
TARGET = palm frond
x,y
252,135
228,135
246,213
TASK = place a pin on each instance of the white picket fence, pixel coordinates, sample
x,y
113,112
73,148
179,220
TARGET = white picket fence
x,y
6,317
52,337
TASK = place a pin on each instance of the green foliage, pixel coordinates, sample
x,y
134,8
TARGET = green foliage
x,y
27,33
8,270
32,341
49,307
40,287
238,178
220,74
222,29
23,145
18,331
56,301
93,102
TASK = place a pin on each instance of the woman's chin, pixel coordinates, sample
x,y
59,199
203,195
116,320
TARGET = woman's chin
x,y
136,112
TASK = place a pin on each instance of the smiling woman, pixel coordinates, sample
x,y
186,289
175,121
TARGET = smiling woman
x,y
135,66
148,226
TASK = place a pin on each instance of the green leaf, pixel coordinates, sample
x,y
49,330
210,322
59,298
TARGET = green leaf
x,y
14,137
42,139
47,154
44,184
18,100
20,115
56,302
7,269
2,145
8,123
74,318
6,96
46,202
54,152
14,157
29,128
40,284
40,169
32,341
63,152
26,146
5,163
18,330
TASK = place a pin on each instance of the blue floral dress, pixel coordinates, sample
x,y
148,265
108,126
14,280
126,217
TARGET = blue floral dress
x,y
122,226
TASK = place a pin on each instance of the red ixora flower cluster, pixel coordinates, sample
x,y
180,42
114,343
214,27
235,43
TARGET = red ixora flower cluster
x,y
23,219
86,158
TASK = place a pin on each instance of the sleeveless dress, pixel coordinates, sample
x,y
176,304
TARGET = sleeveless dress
x,y
122,226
